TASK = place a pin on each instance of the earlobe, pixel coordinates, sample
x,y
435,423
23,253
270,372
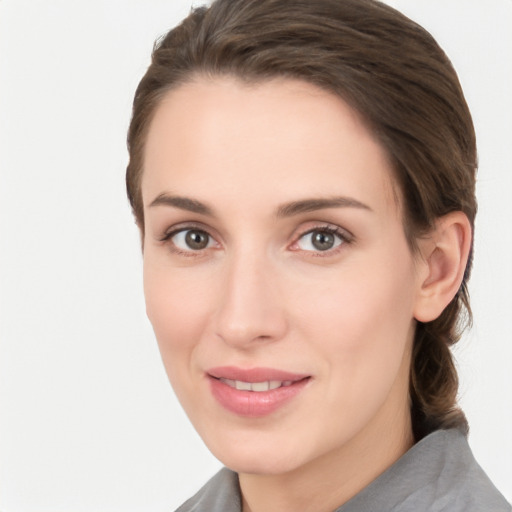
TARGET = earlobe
x,y
445,254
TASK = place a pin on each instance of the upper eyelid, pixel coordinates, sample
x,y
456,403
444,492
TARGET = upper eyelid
x,y
166,240
184,226
345,236
332,228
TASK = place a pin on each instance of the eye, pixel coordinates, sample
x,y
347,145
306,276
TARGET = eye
x,y
191,240
320,240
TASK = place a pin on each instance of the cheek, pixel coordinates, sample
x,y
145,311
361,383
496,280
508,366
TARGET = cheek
x,y
177,309
362,322
364,335
357,303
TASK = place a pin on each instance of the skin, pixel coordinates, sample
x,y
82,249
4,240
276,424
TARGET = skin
x,y
261,294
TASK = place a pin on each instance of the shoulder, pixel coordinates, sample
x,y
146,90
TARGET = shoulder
x,y
467,488
460,484
220,494
438,474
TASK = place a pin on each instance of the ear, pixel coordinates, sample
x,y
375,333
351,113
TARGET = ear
x,y
444,256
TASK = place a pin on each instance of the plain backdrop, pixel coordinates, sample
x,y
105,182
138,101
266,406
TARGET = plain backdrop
x,y
88,421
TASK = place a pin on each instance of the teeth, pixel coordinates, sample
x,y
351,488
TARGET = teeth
x,y
256,386
243,386
260,386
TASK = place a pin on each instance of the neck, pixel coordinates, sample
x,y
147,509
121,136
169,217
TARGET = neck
x,y
329,481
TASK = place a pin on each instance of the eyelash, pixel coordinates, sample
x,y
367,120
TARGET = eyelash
x,y
169,235
343,236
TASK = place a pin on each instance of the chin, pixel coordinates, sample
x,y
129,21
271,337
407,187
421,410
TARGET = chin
x,y
253,457
257,465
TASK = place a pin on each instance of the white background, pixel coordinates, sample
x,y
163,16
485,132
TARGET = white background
x,y
88,421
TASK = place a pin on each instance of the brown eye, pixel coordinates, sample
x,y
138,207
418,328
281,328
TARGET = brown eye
x,y
320,240
197,240
192,240
323,241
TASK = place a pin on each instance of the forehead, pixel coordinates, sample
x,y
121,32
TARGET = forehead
x,y
280,138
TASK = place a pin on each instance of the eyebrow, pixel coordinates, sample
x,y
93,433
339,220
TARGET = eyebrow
x,y
284,210
183,203
310,205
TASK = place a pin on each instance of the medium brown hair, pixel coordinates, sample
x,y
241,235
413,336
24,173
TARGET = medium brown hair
x,y
388,69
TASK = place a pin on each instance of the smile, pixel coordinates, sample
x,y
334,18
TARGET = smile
x,y
256,392
258,387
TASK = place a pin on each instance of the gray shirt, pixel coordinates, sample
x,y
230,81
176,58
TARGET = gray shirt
x,y
438,474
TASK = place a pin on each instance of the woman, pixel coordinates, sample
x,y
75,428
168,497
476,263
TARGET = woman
x,y
303,176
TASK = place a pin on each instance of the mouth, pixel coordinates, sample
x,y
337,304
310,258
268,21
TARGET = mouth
x,y
257,387
254,392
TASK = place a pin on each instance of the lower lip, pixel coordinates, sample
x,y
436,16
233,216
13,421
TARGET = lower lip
x,y
254,404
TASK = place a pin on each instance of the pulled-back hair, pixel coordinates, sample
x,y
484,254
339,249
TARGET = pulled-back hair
x,y
389,70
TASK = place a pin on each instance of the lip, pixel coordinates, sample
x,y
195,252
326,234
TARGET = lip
x,y
253,374
253,404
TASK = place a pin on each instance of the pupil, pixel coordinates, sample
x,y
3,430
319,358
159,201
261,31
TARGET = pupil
x,y
196,239
323,241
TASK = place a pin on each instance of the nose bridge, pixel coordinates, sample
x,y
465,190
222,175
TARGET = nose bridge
x,y
250,307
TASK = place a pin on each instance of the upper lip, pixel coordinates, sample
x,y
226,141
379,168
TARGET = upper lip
x,y
254,374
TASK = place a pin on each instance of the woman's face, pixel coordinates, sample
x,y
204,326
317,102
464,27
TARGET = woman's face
x,y
276,271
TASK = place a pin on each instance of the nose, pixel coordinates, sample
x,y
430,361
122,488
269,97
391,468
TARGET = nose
x,y
250,309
